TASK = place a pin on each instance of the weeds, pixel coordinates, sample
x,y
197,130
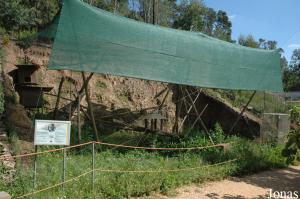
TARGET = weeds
x,y
25,38
262,102
292,147
101,84
252,157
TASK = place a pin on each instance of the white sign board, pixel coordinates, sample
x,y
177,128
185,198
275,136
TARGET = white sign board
x,y
52,132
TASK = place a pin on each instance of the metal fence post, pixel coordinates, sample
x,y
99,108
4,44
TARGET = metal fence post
x,y
93,168
64,170
34,167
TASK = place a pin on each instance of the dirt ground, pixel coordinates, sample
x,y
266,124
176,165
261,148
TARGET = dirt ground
x,y
255,186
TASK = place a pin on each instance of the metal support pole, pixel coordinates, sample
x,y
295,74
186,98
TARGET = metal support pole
x,y
58,97
188,111
93,167
178,103
78,121
153,12
34,167
264,102
90,108
242,112
199,117
64,170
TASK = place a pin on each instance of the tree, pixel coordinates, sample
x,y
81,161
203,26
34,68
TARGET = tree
x,y
195,16
190,16
222,26
292,73
267,44
26,15
295,62
248,41
209,18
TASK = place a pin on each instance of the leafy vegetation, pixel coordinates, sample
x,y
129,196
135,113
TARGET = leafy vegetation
x,y
291,76
253,157
101,84
25,38
295,113
26,15
292,147
21,19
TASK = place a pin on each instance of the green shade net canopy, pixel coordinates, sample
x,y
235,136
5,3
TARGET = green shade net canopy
x,y
92,40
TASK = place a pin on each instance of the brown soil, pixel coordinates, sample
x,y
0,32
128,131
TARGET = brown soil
x,y
255,186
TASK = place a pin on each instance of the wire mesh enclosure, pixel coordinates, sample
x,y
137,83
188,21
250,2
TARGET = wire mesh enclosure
x,y
275,127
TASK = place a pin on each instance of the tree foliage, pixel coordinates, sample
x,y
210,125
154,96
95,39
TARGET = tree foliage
x,y
292,147
20,15
195,16
250,41
291,75
291,72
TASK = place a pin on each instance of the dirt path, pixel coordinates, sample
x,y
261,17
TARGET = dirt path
x,y
250,187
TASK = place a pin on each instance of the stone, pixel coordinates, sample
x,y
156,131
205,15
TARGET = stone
x,y
18,116
4,195
3,137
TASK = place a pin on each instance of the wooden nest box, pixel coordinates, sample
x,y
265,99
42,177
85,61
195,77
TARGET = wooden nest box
x,y
26,83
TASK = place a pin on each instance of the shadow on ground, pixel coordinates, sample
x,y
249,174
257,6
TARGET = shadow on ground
x,y
228,196
280,180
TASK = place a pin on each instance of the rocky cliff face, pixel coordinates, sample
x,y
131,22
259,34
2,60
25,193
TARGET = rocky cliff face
x,y
110,95
117,101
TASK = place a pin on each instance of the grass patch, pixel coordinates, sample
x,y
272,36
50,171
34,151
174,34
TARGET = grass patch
x,y
124,98
253,157
262,102
101,84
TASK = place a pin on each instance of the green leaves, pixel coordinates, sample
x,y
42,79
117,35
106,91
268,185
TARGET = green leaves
x,y
292,147
25,38
295,113
292,73
17,15
291,150
195,16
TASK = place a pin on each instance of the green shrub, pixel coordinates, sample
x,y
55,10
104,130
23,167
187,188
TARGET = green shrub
x,y
295,113
292,147
25,38
101,84
5,40
256,157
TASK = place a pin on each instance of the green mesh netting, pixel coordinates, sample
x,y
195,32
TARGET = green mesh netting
x,y
90,39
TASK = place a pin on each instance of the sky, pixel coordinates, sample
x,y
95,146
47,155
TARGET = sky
x,y
277,20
